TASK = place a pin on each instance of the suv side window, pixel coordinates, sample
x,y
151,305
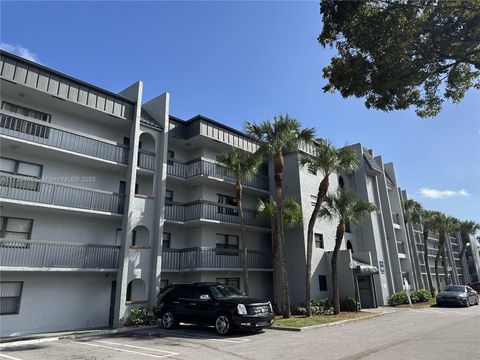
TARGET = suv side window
x,y
201,290
183,292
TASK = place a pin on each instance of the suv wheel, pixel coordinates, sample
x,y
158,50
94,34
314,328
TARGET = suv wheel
x,y
223,325
168,319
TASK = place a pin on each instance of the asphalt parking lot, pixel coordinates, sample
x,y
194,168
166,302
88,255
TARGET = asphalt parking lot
x,y
431,333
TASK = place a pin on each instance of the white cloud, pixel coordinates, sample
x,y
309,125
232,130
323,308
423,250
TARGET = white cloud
x,y
20,51
441,194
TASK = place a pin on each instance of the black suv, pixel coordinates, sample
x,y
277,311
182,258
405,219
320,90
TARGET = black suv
x,y
211,303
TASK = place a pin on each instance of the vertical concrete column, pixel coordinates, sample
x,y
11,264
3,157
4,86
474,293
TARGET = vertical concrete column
x,y
134,92
159,109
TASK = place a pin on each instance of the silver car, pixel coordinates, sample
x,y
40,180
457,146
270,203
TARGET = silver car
x,y
457,295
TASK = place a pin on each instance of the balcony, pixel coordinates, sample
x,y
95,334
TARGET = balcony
x,y
213,259
207,210
50,193
56,255
146,160
396,220
45,134
208,168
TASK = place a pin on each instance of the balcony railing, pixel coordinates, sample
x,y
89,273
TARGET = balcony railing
x,y
205,258
401,248
396,218
47,254
47,135
208,210
36,190
146,159
209,168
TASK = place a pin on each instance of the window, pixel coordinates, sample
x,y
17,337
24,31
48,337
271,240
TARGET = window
x,y
34,114
225,241
166,240
10,296
322,282
341,182
313,199
15,229
227,200
170,157
168,196
349,246
319,241
233,282
25,126
23,169
312,170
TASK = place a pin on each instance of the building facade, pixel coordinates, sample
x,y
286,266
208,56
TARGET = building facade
x,y
106,198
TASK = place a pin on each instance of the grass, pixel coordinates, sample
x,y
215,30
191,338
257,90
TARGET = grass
x,y
302,321
420,305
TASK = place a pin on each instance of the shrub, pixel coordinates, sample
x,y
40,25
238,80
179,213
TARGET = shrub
x,y
142,316
421,295
398,298
324,303
348,304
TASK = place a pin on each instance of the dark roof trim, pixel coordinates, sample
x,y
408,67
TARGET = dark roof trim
x,y
71,78
372,163
201,117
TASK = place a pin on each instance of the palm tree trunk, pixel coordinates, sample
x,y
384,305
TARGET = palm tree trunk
x,y
243,237
322,191
465,241
278,163
437,278
277,272
427,264
441,244
445,267
338,243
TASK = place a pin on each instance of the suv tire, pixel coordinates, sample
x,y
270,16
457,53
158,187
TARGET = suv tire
x,y
223,324
168,319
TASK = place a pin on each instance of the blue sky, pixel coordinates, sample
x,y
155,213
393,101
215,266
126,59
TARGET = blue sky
x,y
237,62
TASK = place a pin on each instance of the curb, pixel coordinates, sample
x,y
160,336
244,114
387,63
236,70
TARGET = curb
x,y
36,338
297,329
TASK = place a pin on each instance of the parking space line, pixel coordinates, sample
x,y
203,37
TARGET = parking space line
x,y
9,357
170,353
123,350
189,335
234,341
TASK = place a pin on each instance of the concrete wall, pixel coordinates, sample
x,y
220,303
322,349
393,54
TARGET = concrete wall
x,y
59,301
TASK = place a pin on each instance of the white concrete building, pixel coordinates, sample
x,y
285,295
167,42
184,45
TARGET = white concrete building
x,y
106,198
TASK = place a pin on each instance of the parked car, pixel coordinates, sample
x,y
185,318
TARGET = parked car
x,y
475,286
212,304
457,295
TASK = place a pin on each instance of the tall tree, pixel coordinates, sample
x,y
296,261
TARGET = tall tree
x,y
325,159
292,216
467,228
411,214
427,220
241,165
444,225
283,134
398,54
345,206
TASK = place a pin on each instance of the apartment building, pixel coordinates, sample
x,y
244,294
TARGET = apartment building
x,y
82,188
374,257
106,198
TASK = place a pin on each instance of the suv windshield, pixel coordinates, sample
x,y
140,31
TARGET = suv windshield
x,y
455,288
220,292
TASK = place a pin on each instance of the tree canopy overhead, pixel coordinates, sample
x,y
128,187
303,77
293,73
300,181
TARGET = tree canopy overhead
x,y
402,53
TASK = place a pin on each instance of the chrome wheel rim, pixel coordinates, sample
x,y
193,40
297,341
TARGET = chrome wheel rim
x,y
167,320
222,324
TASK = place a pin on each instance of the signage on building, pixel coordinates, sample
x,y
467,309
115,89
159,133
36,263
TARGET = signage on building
x,y
381,266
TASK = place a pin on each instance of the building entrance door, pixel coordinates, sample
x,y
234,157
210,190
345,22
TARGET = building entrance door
x,y
366,292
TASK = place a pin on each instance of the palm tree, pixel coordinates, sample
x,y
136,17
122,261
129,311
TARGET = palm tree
x,y
283,134
292,216
467,228
241,165
427,220
327,159
411,214
444,225
348,208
